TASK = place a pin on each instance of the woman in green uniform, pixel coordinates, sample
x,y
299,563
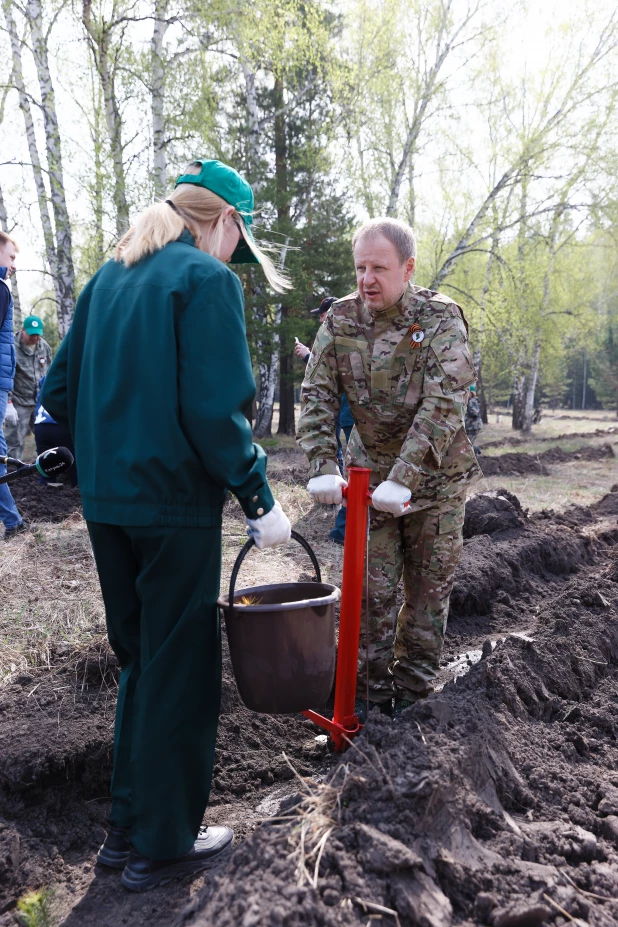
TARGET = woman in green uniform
x,y
152,381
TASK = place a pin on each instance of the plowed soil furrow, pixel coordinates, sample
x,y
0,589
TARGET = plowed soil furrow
x,y
520,463
492,802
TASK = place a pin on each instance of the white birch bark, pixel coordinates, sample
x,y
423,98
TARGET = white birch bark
x,y
17,78
65,305
157,98
269,377
100,38
253,141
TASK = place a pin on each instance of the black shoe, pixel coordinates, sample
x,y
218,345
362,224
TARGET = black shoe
x,y
141,874
115,851
13,532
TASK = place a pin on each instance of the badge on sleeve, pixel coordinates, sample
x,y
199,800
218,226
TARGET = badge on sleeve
x,y
418,335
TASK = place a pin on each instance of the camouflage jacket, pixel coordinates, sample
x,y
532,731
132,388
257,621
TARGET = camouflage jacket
x,y
32,363
406,373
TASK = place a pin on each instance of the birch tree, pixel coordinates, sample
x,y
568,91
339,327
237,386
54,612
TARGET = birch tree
x,y
65,273
106,35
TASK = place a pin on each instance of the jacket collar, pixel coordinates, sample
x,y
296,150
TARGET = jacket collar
x,y
186,238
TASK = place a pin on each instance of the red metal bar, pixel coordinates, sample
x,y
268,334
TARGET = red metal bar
x,y
357,498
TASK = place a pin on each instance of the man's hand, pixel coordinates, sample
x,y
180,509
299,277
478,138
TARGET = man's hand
x,y
301,350
11,414
391,497
271,529
327,488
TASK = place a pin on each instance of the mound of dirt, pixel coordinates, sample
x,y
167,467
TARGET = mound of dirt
x,y
522,464
494,802
514,442
512,464
492,512
43,503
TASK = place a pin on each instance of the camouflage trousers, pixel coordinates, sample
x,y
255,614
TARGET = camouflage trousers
x,y
403,650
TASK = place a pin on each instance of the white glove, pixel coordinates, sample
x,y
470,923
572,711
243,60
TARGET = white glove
x,y
391,497
271,529
327,488
11,414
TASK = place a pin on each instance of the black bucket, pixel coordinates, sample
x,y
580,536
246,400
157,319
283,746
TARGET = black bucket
x,y
282,642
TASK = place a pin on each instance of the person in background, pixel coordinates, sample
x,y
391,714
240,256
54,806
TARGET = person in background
x,y
9,515
152,380
48,434
474,422
33,358
344,421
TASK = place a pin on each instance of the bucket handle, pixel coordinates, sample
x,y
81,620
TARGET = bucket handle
x,y
247,547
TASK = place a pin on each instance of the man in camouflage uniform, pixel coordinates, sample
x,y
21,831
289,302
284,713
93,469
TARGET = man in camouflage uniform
x,y
33,357
400,354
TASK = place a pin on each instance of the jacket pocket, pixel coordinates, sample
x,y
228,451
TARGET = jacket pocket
x,y
353,378
407,390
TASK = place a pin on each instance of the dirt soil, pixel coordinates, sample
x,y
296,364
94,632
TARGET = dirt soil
x,y
494,801
521,464
515,442
44,503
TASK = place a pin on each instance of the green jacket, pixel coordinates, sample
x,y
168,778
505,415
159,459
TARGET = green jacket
x,y
151,381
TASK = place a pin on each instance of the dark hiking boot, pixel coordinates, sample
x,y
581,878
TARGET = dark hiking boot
x,y
141,874
115,851
11,533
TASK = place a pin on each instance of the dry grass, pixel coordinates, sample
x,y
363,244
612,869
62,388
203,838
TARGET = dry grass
x,y
50,599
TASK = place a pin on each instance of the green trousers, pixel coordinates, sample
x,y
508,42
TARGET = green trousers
x,y
160,587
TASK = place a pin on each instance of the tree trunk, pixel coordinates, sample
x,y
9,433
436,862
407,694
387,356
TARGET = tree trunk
x,y
33,151
253,117
269,371
4,225
157,64
100,39
65,304
519,400
531,390
287,425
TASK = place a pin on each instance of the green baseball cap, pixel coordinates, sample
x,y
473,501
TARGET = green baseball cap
x,y
33,325
234,189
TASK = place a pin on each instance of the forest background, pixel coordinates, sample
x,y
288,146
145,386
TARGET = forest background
x,y
488,125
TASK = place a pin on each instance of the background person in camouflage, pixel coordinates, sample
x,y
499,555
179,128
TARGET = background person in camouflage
x,y
473,420
400,354
33,359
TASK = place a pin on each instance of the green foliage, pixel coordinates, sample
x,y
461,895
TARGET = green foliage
x,y
34,909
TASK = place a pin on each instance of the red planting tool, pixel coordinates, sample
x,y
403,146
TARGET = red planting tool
x,y
345,724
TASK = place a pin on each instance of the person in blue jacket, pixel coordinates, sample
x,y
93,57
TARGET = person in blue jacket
x,y
10,517
47,434
344,421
